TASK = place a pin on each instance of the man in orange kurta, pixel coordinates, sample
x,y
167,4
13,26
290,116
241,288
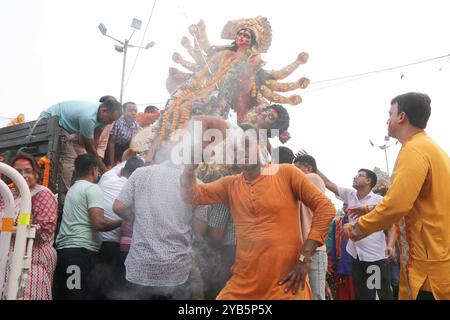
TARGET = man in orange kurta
x,y
265,210
418,201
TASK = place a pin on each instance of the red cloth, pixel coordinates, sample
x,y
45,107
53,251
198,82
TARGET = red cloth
x,y
344,288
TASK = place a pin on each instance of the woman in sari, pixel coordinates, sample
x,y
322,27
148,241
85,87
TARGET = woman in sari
x,y
44,217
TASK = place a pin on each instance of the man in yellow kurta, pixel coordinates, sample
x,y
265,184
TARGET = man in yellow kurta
x,y
271,260
418,202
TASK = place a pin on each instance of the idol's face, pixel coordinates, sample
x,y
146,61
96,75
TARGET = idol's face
x,y
244,39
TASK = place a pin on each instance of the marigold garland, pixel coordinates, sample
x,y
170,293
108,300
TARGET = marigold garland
x,y
46,163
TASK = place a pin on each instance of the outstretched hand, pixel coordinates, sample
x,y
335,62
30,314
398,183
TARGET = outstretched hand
x,y
356,212
301,153
391,253
303,57
201,25
176,57
193,30
353,233
284,137
303,82
185,42
294,100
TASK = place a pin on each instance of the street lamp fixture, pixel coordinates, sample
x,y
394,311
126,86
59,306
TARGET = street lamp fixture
x,y
384,147
149,45
136,24
102,29
124,45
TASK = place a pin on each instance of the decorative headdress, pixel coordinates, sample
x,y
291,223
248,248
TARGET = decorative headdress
x,y
383,181
260,27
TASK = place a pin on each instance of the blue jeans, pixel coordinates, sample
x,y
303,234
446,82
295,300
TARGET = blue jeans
x,y
395,277
317,274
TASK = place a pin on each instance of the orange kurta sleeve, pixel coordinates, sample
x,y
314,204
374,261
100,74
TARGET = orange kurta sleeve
x,y
407,181
314,199
209,193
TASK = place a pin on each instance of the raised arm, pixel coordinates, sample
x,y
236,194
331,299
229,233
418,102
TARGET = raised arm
x,y
199,32
176,57
198,194
301,83
302,58
188,181
330,185
278,98
195,53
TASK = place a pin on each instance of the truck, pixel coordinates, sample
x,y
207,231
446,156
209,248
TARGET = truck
x,y
40,138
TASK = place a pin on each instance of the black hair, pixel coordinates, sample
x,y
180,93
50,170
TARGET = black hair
x,y
282,122
84,163
125,105
107,97
307,160
286,155
112,106
131,165
28,157
233,46
371,175
149,109
416,106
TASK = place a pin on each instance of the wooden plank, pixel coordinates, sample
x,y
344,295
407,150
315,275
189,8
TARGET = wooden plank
x,y
25,126
22,142
23,134
53,153
33,147
19,133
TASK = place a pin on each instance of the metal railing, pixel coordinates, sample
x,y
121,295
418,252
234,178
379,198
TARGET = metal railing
x,y
24,235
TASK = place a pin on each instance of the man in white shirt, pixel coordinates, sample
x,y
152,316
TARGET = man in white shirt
x,y
112,264
370,266
160,260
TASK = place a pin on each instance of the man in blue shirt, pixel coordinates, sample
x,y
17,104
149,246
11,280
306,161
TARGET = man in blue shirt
x,y
79,119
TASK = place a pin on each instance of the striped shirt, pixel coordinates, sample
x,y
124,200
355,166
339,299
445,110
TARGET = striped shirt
x,y
123,132
219,216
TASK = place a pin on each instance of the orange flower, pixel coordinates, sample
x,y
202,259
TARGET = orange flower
x,y
46,163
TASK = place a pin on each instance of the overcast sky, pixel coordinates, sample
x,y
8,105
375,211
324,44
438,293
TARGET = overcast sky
x,y
52,51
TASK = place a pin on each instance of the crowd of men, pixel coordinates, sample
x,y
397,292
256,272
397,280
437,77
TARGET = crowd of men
x,y
138,229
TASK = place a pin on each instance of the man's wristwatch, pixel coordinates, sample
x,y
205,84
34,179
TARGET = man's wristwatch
x,y
304,259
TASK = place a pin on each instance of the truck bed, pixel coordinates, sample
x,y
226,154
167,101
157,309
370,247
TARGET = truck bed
x,y
44,141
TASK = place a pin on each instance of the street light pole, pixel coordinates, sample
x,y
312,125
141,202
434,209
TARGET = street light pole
x,y
123,48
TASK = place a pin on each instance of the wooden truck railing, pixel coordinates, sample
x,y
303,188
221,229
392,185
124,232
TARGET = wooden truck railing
x,y
44,140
